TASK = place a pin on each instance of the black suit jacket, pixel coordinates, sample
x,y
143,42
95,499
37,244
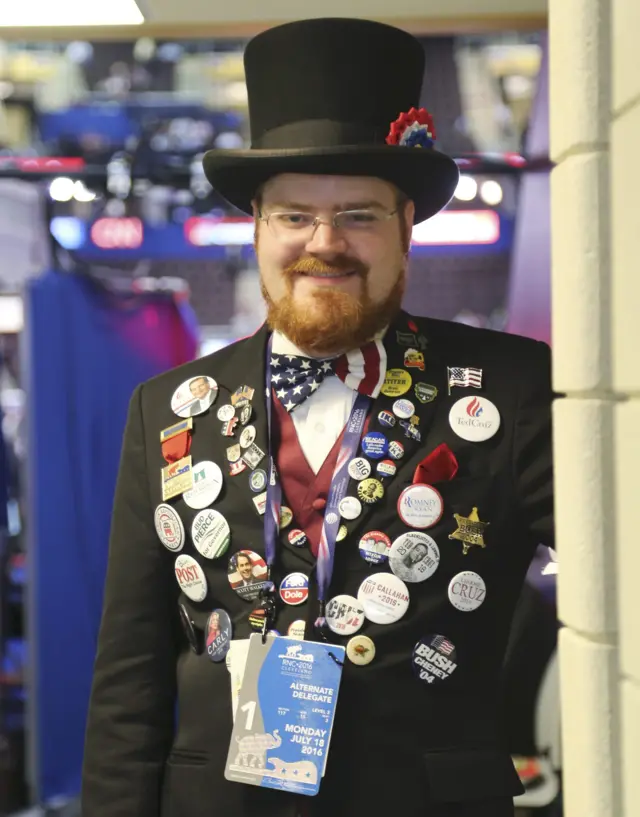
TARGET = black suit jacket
x,y
160,716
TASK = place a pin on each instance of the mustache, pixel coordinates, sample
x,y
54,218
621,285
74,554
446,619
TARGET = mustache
x,y
314,266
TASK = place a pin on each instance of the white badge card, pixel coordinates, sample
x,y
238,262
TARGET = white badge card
x,y
236,660
287,704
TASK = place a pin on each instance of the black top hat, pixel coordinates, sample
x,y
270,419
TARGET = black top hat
x,y
323,95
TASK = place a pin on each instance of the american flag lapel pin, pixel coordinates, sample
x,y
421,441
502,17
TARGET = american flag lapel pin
x,y
464,377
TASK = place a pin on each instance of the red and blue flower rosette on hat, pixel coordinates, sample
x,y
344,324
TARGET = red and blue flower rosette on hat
x,y
414,129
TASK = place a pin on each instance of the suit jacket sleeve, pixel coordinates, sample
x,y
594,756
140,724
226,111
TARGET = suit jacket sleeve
x,y
131,711
533,463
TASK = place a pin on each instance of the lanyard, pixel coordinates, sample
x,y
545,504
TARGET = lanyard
x,y
337,491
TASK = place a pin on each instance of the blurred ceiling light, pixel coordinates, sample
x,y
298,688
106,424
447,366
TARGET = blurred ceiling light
x,y
6,89
145,49
62,189
43,13
79,52
467,188
81,193
491,192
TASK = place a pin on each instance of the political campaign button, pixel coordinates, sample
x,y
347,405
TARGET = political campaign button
x,y
386,418
245,414
253,455
410,430
434,659
234,452
258,480
242,396
218,635
413,359
350,507
331,518
260,502
361,650
396,449
296,629
470,531
359,468
396,383
420,506
294,589
403,408
207,484
189,629
226,413
385,598
414,556
425,392
194,396
211,533
467,591
286,516
386,469
375,445
177,477
298,538
229,427
248,436
370,491
247,574
474,418
262,617
406,338
169,527
342,532
374,547
344,615
190,577
236,468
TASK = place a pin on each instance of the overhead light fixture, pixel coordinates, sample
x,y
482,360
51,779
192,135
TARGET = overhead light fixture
x,y
62,189
491,192
467,188
44,13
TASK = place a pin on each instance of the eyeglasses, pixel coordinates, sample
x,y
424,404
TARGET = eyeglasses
x,y
299,226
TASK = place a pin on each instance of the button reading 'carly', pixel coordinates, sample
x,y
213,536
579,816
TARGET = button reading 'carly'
x,y
344,615
374,547
191,578
370,491
207,484
350,507
361,650
434,659
414,556
467,591
385,598
375,445
294,589
218,635
194,396
420,506
211,533
169,527
359,468
247,574
474,418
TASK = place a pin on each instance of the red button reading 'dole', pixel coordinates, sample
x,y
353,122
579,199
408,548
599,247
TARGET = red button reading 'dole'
x,y
319,503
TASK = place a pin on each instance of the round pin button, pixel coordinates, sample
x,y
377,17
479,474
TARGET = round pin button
x,y
420,506
359,468
342,532
207,484
218,635
226,413
474,418
414,556
211,533
234,452
286,516
396,450
248,436
375,445
245,414
386,418
467,591
350,507
344,615
298,538
258,480
396,383
385,598
169,527
294,589
190,577
386,469
361,650
403,409
194,396
296,629
374,547
247,574
434,659
370,491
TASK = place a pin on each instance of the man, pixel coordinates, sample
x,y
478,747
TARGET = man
x,y
201,390
341,165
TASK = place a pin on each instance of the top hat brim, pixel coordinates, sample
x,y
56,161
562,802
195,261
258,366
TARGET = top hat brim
x,y
426,176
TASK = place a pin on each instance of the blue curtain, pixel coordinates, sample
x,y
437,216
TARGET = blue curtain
x,y
87,351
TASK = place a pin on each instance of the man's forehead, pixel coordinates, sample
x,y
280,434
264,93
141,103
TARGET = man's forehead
x,y
327,190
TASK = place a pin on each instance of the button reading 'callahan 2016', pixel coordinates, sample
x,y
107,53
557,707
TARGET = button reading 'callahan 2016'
x,y
385,598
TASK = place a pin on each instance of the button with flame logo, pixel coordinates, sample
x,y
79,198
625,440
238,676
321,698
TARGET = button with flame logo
x,y
474,419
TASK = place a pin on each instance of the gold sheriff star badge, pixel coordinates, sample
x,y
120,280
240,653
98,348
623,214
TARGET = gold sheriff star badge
x,y
470,531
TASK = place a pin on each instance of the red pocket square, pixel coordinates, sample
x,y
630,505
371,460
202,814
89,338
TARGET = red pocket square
x,y
440,465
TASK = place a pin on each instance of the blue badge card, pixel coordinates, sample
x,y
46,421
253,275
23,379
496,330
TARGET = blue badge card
x,y
284,719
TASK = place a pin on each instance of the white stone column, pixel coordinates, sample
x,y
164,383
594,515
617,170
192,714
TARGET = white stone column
x,y
595,139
